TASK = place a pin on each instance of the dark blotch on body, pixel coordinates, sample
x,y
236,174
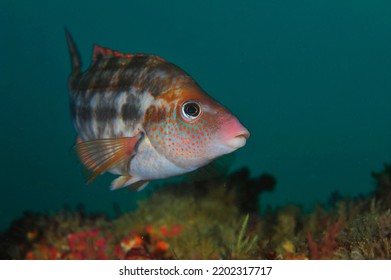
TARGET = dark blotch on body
x,y
84,113
129,113
105,113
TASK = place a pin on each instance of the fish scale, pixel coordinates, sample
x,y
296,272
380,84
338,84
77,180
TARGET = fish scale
x,y
143,118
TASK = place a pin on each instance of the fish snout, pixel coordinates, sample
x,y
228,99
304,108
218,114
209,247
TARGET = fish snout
x,y
233,134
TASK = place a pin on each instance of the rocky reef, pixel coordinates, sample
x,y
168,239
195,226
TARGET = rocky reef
x,y
213,219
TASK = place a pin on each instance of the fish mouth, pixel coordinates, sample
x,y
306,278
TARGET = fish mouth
x,y
239,140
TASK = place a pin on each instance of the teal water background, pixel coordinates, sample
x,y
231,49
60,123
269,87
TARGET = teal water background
x,y
311,80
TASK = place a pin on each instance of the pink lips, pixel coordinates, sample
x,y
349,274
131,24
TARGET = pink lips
x,y
233,133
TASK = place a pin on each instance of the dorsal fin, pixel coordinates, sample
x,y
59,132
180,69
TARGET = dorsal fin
x,y
100,52
74,54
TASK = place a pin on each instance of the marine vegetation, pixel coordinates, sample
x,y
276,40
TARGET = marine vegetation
x,y
213,219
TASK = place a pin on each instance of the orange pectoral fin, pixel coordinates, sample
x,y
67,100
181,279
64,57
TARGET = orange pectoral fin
x,y
101,155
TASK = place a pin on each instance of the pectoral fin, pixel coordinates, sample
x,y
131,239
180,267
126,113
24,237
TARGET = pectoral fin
x,y
101,155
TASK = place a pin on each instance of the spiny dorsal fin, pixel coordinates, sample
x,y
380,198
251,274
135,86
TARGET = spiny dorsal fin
x,y
100,52
74,54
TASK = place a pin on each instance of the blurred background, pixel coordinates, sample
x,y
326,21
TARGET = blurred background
x,y
311,80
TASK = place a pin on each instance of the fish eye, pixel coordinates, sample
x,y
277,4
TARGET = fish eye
x,y
191,110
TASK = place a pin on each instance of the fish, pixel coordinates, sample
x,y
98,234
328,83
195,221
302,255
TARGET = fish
x,y
143,118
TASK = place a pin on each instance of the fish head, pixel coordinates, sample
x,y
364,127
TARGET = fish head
x,y
190,128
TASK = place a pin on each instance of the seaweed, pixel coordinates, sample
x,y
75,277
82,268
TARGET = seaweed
x,y
217,218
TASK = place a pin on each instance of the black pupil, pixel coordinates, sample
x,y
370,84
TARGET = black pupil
x,y
192,109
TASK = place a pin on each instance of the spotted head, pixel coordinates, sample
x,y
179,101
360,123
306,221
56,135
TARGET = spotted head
x,y
190,128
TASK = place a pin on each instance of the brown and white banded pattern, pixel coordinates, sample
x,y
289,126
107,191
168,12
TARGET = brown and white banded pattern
x,y
144,118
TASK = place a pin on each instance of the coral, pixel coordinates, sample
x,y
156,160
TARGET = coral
x,y
217,218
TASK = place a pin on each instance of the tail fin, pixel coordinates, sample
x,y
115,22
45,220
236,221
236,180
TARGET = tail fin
x,y
75,57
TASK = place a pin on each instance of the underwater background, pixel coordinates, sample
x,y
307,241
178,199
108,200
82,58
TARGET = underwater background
x,y
311,80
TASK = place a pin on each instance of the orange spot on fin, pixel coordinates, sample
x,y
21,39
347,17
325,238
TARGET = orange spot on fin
x,y
100,52
133,183
101,155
